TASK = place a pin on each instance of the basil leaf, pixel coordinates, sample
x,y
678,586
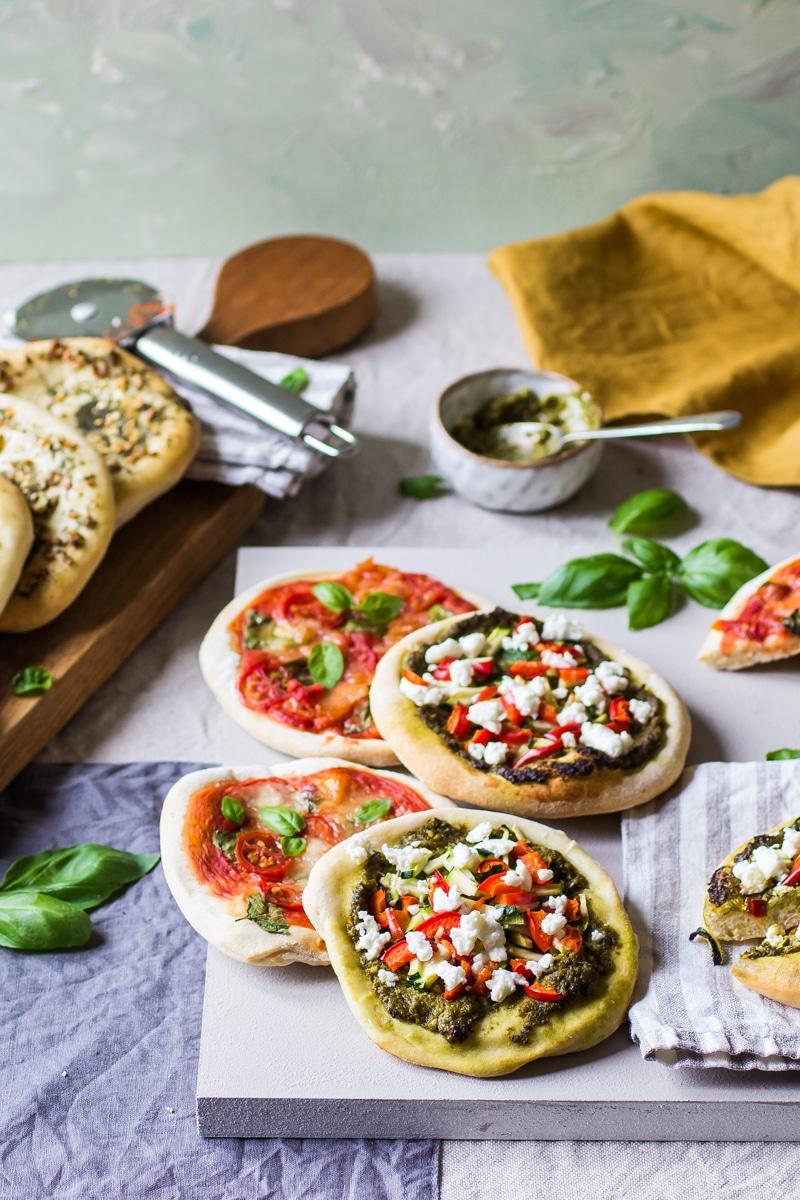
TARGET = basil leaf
x,y
714,570
34,921
649,601
381,607
526,591
423,487
334,596
326,664
373,810
297,380
780,755
283,821
646,511
599,581
292,846
31,681
226,844
232,810
84,875
268,916
652,555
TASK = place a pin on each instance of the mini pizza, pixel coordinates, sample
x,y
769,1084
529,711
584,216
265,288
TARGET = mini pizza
x,y
773,967
756,886
142,429
238,843
474,942
498,709
291,660
16,537
68,490
760,623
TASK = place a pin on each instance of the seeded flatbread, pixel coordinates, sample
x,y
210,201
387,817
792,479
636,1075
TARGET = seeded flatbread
x,y
16,537
143,430
68,491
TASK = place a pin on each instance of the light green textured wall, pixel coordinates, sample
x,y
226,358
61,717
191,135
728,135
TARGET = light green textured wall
x,y
196,126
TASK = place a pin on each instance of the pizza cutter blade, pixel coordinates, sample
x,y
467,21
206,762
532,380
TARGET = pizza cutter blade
x,y
135,315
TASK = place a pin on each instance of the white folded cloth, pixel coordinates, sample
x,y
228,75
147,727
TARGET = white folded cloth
x,y
688,1011
236,449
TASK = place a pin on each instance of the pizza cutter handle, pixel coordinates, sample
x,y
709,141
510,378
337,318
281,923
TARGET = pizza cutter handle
x,y
190,360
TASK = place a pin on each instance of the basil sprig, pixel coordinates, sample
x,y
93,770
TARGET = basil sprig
x,y
44,897
326,664
648,511
372,810
377,607
422,487
286,822
31,681
292,846
334,596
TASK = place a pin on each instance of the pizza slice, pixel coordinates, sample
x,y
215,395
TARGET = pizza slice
x,y
238,844
475,942
760,623
292,659
757,886
773,967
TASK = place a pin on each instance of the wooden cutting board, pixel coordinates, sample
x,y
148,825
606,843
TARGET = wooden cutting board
x,y
153,562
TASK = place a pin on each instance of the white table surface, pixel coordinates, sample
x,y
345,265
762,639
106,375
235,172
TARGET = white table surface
x,y
441,316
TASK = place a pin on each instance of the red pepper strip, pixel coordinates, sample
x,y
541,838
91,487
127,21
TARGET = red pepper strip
x,y
619,709
488,863
378,907
451,993
527,670
437,881
443,669
571,939
397,955
756,906
572,910
537,752
793,878
447,920
457,722
541,939
518,899
512,712
572,676
533,861
488,693
572,727
514,737
408,901
494,886
540,993
412,677
548,713
555,647
482,979
397,922
481,737
521,848
482,667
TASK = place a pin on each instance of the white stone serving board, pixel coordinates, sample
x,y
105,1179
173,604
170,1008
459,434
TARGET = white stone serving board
x,y
280,1053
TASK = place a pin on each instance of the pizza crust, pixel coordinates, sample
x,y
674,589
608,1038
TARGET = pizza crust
x,y
746,654
776,978
68,490
219,665
16,537
607,789
144,432
487,1051
214,918
738,925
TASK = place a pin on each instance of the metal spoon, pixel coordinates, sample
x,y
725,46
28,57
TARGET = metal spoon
x,y
518,436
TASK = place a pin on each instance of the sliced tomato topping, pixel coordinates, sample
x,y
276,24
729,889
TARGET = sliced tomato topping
x,y
260,852
323,826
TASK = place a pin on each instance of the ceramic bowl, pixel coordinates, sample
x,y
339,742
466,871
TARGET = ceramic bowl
x,y
493,482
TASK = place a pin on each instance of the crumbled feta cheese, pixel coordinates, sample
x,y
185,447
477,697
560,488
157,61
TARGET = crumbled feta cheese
x,y
357,848
556,904
596,935
502,984
406,858
461,672
465,857
569,741
544,875
612,676
770,862
479,832
523,635
387,977
751,878
572,712
641,710
558,627
495,753
560,693
482,927
476,750
591,693
553,924
450,648
496,846
419,946
551,658
447,901
525,694
791,843
420,694
450,974
600,737
371,938
520,878
774,936
472,644
488,714
479,963
412,909
537,966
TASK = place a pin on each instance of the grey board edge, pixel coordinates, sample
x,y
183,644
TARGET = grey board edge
x,y
639,1121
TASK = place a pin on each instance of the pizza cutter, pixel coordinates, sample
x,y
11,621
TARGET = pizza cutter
x,y
136,316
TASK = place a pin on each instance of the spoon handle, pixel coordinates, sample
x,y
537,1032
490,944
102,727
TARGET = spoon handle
x,y
693,423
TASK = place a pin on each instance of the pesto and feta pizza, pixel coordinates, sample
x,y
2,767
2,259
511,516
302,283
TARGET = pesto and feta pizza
x,y
292,659
503,710
474,942
142,429
757,886
772,968
238,843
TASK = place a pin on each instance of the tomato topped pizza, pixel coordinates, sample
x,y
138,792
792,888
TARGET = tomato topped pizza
x,y
760,623
238,845
292,660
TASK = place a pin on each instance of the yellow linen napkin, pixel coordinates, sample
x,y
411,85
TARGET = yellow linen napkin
x,y
679,302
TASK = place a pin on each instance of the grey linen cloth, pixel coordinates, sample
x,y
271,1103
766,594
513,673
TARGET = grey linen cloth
x,y
99,1046
690,1012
